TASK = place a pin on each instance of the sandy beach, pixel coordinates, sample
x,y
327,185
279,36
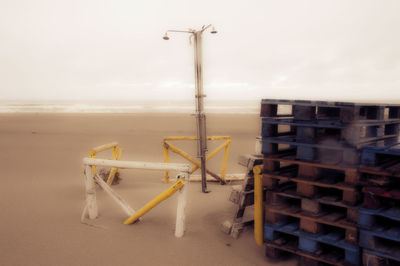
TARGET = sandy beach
x,y
42,193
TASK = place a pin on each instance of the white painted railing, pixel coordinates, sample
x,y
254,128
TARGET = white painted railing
x,y
90,178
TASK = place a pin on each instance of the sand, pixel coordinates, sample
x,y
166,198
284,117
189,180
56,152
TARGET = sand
x,y
42,193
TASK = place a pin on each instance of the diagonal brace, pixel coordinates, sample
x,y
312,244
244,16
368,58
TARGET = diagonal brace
x,y
197,164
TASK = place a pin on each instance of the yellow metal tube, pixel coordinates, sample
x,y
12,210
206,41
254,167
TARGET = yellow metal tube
x,y
117,152
114,152
258,206
166,160
157,200
104,147
195,138
93,155
218,137
192,160
180,138
182,153
111,176
197,164
209,156
214,152
225,159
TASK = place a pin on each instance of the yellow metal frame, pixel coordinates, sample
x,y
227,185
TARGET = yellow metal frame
x,y
197,164
157,200
258,205
116,155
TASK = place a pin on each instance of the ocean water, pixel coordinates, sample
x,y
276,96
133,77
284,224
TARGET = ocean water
x,y
134,107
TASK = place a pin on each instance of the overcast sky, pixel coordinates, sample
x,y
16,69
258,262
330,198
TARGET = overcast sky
x,y
100,50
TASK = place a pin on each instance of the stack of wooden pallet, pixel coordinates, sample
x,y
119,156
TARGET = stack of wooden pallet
x,y
379,215
312,153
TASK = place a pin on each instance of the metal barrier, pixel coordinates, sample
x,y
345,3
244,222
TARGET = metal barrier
x,y
116,155
197,164
181,185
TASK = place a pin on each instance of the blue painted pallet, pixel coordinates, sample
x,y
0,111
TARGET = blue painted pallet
x,y
394,258
373,156
369,219
312,242
344,111
354,133
311,151
384,244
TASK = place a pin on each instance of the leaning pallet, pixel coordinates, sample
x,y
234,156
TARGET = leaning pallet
x,y
242,196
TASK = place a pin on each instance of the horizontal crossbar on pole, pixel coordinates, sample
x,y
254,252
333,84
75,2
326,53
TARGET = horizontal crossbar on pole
x,y
195,138
104,147
136,165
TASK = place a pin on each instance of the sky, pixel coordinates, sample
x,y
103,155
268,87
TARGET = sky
x,y
85,50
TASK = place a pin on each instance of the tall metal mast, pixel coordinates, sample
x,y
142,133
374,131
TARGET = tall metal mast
x,y
200,115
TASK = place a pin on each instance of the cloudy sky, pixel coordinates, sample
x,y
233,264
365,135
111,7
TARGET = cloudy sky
x,y
113,50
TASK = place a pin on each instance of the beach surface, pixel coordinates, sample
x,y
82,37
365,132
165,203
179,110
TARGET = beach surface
x,y
42,192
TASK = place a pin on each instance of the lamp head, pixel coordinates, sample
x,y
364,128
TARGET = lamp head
x,y
213,31
165,37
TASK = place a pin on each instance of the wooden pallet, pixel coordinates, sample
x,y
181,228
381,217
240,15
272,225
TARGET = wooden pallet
x,y
310,168
319,131
387,246
281,214
311,181
376,258
320,110
324,257
313,243
242,196
318,206
381,197
327,150
381,160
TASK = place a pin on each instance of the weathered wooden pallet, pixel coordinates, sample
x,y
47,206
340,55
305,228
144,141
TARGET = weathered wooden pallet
x,y
242,196
318,206
323,257
329,151
310,168
386,245
313,243
376,258
376,197
333,151
381,160
391,167
281,214
385,221
320,110
321,131
312,182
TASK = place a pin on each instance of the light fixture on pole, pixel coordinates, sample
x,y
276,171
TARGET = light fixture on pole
x,y
200,115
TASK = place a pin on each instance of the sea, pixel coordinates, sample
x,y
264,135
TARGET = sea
x,y
223,107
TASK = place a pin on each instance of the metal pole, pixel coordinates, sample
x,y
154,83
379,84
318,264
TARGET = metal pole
x,y
200,115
